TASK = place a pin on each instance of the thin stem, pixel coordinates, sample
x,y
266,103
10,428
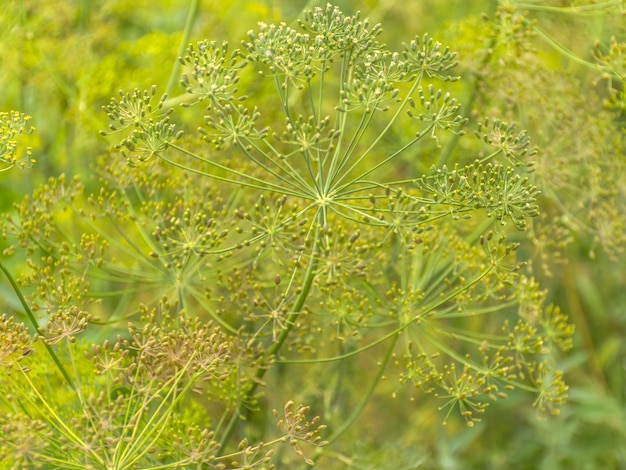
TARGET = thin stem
x,y
249,182
490,47
38,330
393,333
367,395
581,10
55,421
341,119
191,18
284,96
309,277
466,362
382,133
370,170
287,167
155,426
366,118
565,51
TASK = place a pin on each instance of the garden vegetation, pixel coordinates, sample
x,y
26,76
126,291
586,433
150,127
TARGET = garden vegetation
x,y
314,249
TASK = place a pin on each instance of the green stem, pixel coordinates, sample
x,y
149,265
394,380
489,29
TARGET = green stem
x,y
565,52
191,17
382,133
368,394
38,330
54,420
581,10
373,168
309,277
145,438
396,331
247,181
445,155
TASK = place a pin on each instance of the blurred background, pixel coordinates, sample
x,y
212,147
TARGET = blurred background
x,y
554,67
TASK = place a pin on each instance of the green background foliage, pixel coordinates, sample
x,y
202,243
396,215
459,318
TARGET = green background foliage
x,y
556,69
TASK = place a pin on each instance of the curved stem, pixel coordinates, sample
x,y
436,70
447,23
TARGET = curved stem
x,y
367,395
309,277
565,52
38,330
396,331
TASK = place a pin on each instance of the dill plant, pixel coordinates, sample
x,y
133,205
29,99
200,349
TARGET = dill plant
x,y
572,111
563,69
275,257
